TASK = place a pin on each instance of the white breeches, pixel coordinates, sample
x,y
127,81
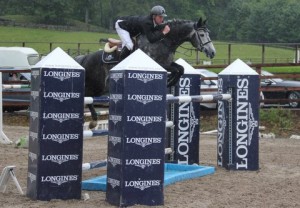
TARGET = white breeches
x,y
124,36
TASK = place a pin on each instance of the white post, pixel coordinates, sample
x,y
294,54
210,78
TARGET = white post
x,y
3,138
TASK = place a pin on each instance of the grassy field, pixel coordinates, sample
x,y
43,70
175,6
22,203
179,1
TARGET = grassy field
x,y
40,40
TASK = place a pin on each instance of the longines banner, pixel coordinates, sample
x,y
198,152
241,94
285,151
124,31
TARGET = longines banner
x,y
55,134
135,170
184,136
238,121
186,121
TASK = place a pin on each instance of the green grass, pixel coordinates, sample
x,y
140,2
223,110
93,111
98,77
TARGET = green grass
x,y
246,52
292,69
277,120
40,40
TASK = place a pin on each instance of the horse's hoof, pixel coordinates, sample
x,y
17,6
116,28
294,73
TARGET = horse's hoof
x,y
92,124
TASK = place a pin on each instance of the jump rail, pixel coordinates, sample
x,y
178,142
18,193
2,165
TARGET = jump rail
x,y
104,132
197,98
99,113
91,100
15,86
103,163
94,133
170,98
94,165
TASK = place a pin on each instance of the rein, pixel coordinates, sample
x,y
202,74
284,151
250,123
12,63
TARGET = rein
x,y
190,49
187,50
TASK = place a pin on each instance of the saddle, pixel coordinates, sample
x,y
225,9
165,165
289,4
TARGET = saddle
x,y
111,51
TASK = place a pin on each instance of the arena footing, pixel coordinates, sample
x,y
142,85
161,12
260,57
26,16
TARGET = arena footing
x,y
173,174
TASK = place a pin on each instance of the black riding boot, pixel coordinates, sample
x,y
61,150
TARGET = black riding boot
x,y
176,72
124,53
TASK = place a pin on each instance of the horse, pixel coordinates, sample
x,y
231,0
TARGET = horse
x,y
97,67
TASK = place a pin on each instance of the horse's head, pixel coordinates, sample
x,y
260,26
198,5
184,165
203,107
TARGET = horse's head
x,y
200,39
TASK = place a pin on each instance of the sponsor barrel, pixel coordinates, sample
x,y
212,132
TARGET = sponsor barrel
x,y
56,128
238,121
135,163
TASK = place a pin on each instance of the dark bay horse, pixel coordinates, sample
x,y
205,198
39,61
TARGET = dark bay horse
x,y
162,52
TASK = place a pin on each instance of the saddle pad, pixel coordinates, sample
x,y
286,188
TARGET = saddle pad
x,y
110,58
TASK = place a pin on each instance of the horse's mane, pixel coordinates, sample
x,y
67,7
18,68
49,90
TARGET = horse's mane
x,y
175,22
180,27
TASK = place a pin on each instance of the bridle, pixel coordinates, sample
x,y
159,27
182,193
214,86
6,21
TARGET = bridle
x,y
198,36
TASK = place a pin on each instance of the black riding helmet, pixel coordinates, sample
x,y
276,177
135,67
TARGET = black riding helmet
x,y
158,10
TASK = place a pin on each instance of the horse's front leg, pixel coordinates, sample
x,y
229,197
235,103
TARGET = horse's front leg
x,y
92,123
176,72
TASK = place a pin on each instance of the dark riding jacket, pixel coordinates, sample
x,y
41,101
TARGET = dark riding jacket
x,y
136,25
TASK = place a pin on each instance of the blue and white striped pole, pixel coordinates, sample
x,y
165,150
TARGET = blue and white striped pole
x,y
94,133
197,98
92,100
94,165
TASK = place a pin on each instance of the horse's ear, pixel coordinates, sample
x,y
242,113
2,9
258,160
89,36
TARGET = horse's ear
x,y
204,22
199,23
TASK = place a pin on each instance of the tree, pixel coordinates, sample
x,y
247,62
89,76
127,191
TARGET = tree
x,y
230,20
25,7
274,21
54,11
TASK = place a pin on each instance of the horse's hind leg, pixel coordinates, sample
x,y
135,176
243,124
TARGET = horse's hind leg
x,y
176,72
92,123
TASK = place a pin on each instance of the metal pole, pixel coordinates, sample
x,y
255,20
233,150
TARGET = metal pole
x,y
229,53
3,138
78,49
263,54
296,55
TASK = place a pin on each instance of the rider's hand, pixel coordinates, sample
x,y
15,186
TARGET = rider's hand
x,y
166,30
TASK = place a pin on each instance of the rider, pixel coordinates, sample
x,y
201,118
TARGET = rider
x,y
150,25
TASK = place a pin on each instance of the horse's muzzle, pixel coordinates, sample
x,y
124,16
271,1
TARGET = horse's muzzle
x,y
209,53
212,54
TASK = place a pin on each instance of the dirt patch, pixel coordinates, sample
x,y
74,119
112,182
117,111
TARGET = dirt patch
x,y
276,184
